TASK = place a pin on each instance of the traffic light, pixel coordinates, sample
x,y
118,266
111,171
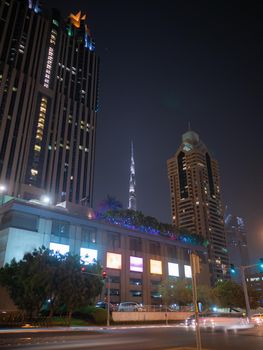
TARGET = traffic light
x,y
232,268
104,275
83,269
261,264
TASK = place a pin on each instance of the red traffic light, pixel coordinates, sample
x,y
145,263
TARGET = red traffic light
x,y
104,275
83,269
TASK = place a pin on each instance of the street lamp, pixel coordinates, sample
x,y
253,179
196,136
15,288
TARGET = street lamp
x,y
2,191
107,278
45,199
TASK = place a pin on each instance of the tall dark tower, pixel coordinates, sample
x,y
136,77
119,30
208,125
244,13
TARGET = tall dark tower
x,y
132,184
48,103
236,239
196,199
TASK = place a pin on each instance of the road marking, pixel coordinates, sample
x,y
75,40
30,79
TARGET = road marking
x,y
184,348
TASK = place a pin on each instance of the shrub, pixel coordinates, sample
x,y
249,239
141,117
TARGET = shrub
x,y
99,316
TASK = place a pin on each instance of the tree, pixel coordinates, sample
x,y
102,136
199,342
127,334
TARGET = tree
x,y
44,275
176,292
110,203
206,296
77,288
28,281
230,294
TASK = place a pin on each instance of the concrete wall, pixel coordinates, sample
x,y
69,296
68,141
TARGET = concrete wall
x,y
6,303
149,316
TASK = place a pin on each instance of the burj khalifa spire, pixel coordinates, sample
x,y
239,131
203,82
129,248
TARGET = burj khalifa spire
x,y
132,193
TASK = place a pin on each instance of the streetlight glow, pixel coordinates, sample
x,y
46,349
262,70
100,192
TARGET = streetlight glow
x,y
2,188
45,199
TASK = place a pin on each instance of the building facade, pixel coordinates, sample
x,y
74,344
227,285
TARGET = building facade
x,y
136,262
48,103
254,281
236,238
196,199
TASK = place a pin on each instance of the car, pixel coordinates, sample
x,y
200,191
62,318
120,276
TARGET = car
x,y
257,319
104,305
220,320
130,306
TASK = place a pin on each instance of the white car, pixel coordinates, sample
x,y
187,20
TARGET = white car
x,y
130,306
220,320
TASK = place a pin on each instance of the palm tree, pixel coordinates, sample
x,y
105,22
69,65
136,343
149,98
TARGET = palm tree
x,y
110,203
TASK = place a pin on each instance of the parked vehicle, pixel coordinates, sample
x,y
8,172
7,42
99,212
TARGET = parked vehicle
x,y
130,306
220,320
104,305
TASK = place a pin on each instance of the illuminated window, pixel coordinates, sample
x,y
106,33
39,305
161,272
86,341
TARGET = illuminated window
x,y
136,264
89,256
113,261
34,172
60,248
173,269
156,267
187,271
37,148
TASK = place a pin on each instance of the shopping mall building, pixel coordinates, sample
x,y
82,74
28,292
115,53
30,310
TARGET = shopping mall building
x,y
135,261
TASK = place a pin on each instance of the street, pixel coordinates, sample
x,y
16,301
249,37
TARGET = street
x,y
131,338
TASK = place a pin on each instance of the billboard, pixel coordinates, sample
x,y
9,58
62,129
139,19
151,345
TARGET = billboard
x,y
156,267
113,261
173,269
89,256
60,248
136,264
187,271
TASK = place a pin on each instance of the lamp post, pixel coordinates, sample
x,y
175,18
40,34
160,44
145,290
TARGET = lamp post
x,y
108,301
244,284
195,267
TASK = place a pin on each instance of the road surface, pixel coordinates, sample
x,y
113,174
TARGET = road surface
x,y
131,338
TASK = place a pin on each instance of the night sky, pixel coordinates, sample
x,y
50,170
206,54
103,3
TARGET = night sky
x,y
164,63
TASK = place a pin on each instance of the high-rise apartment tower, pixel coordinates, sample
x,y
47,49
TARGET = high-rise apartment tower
x,y
195,199
236,239
48,103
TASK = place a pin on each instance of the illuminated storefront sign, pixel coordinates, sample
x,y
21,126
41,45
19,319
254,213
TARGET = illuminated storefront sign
x,y
136,264
89,256
187,271
113,261
60,248
173,269
156,267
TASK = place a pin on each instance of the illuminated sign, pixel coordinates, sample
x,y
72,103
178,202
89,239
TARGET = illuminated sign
x,y
156,267
187,271
173,269
60,248
113,261
89,256
136,264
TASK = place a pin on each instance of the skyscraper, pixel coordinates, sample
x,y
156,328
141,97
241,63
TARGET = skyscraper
x,y
236,239
132,184
195,199
48,103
